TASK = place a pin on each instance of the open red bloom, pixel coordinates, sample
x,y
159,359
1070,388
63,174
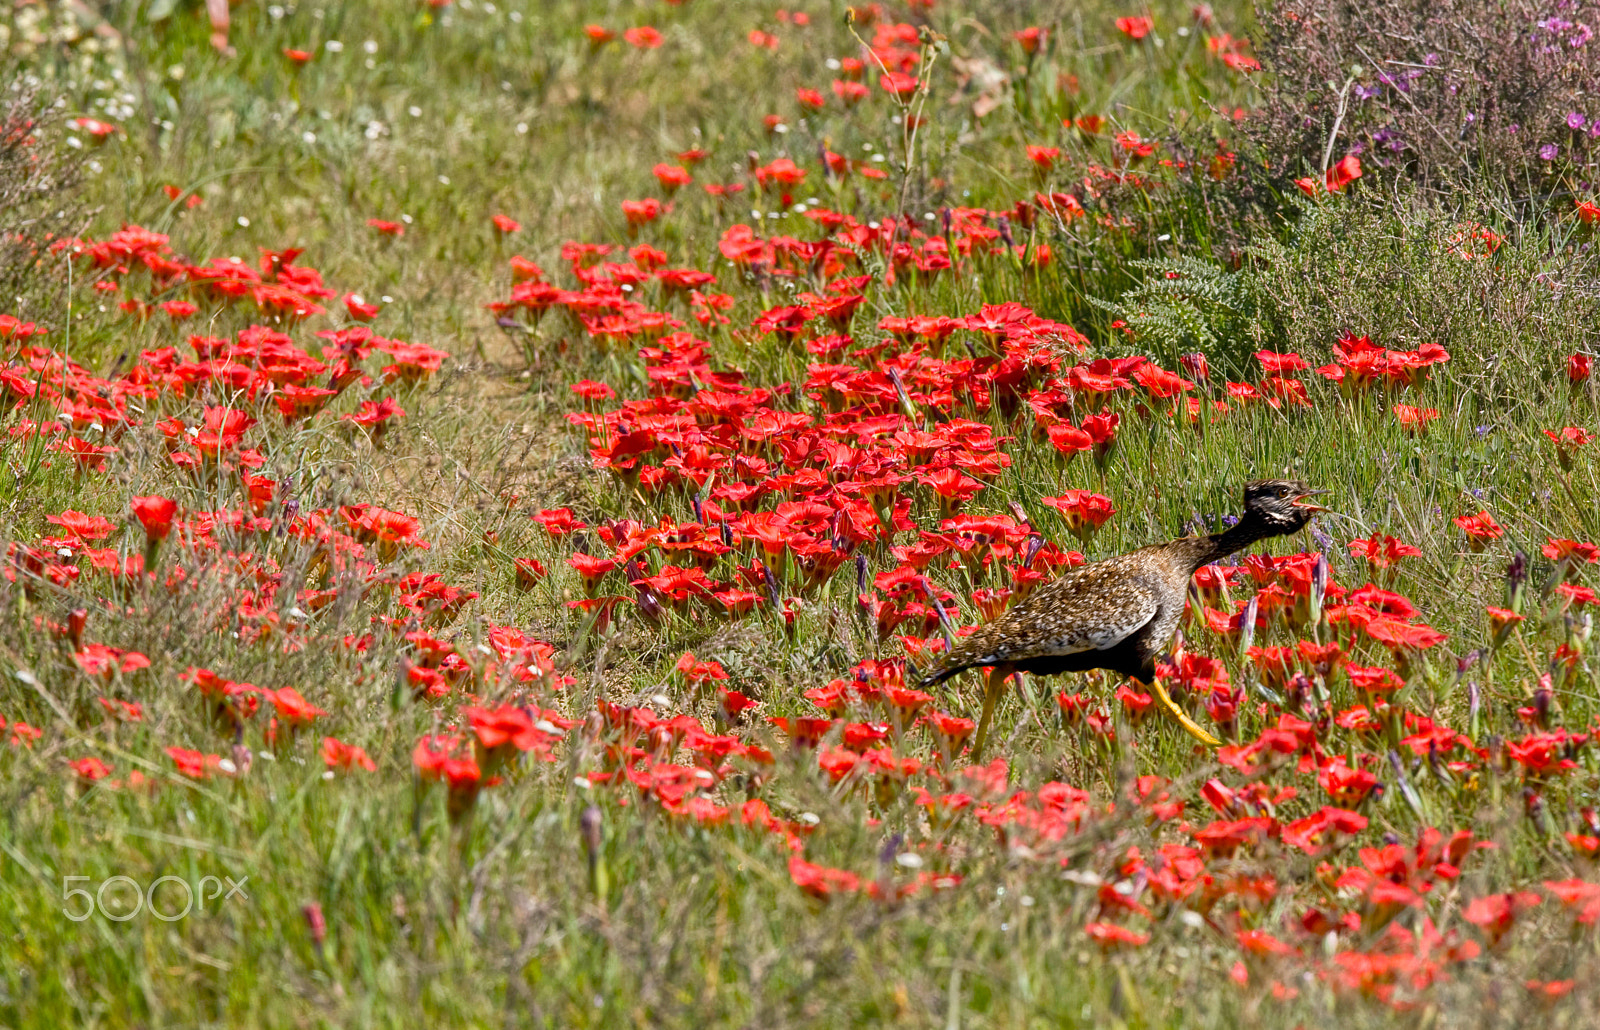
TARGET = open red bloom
x,y
1496,914
641,212
1480,527
1043,158
821,882
1136,27
193,764
1415,419
1111,936
155,514
292,707
1569,439
899,85
644,37
1084,510
1571,551
1029,38
1342,174
343,757
1382,550
672,177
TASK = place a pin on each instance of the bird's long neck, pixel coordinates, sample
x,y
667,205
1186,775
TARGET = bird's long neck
x,y
1203,550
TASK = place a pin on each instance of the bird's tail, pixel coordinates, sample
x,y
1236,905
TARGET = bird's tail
x,y
975,650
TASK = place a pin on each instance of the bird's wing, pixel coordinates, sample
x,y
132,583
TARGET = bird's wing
x,y
1092,608
1092,611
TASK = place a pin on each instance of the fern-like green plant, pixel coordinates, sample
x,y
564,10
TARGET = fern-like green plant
x,y
1184,304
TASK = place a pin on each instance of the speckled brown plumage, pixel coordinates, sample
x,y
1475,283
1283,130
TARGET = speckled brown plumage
x,y
1120,613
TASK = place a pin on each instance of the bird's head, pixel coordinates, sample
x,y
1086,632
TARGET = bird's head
x,y
1283,505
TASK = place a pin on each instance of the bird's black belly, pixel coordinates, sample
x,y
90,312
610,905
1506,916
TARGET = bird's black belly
x,y
1128,658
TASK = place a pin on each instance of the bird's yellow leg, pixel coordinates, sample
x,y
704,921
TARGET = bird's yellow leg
x,y
991,693
1189,725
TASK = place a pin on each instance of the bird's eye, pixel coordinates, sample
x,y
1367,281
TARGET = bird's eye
x,y
1283,491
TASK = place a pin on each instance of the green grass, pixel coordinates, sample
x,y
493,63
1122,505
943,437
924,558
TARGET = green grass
x,y
497,921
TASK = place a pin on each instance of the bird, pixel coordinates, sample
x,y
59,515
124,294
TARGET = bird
x,y
1119,613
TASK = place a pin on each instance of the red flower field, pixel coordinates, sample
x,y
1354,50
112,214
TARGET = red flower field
x,y
494,480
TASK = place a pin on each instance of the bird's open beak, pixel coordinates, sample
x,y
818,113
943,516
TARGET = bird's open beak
x,y
1305,505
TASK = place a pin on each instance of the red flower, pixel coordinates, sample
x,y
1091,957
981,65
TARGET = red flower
x,y
344,757
1084,511
1068,439
1043,158
1571,551
386,228
1399,635
1103,430
849,92
1134,145
359,309
598,35
1347,787
1374,679
672,177
155,514
1579,368
1029,38
1381,551
292,707
1567,443
899,85
298,58
1348,170
1495,914
732,703
523,270
1273,363
696,671
1479,528
90,770
506,224
559,521
1415,419
821,882
1263,944
1111,936
431,753
641,212
644,37
1136,27
193,764
1588,212
809,98
82,528
1544,754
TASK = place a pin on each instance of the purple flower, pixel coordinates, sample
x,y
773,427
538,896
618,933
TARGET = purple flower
x,y
1576,121
1548,152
